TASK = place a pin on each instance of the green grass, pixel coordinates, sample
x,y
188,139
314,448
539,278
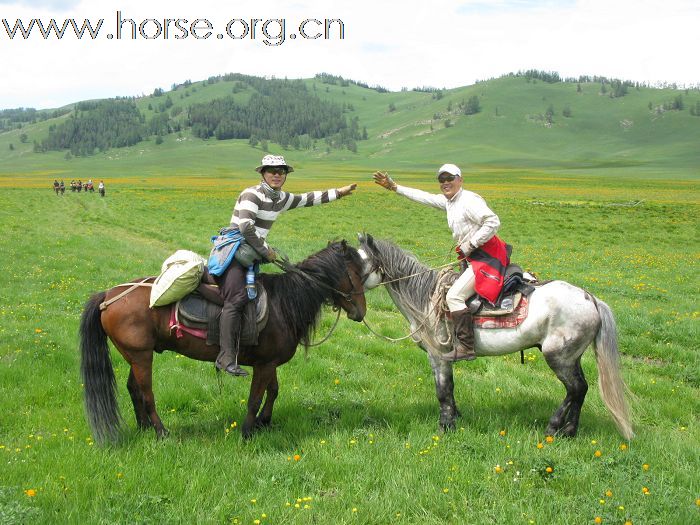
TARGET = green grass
x,y
359,412
608,207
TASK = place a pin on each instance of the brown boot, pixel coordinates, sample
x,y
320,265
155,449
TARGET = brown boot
x,y
463,337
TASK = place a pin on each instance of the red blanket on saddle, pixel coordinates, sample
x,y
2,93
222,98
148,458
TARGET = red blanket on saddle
x,y
489,262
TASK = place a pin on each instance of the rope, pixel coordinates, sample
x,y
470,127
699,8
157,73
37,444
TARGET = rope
x,y
437,302
288,267
132,287
329,333
391,338
446,265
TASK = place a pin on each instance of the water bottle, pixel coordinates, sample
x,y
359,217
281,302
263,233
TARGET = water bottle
x,y
250,282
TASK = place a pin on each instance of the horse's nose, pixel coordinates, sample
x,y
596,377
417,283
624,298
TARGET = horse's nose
x,y
357,314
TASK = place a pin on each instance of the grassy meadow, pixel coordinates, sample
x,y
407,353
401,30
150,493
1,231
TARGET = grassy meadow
x,y
354,436
610,207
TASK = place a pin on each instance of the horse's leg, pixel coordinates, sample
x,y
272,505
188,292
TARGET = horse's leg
x,y
142,419
265,417
142,369
444,388
262,375
565,361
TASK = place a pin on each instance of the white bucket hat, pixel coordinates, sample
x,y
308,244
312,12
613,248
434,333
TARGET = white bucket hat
x,y
451,169
275,161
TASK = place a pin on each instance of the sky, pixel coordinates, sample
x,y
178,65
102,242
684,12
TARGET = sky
x,y
435,43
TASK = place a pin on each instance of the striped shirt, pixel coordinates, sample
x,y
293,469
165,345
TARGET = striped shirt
x,y
255,211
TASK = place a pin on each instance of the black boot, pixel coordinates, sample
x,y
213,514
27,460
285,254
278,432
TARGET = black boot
x,y
463,337
229,328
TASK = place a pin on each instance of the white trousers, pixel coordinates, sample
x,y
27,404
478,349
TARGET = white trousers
x,y
460,290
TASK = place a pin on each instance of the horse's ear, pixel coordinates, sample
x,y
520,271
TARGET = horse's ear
x,y
344,244
360,237
370,241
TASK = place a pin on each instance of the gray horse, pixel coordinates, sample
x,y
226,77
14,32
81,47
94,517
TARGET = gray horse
x,y
563,321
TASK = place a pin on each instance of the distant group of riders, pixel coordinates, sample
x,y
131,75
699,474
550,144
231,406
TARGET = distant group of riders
x,y
78,186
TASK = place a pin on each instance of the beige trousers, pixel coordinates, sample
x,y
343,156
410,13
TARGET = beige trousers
x,y
460,290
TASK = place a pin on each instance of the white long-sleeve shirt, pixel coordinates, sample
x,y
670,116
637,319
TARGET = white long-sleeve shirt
x,y
468,215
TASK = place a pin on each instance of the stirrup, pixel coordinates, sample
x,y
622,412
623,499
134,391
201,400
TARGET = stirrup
x,y
457,355
234,369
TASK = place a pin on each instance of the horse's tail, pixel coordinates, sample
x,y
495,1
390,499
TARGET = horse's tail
x,y
98,376
610,383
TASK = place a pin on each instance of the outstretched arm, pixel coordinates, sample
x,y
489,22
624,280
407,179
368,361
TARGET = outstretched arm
x,y
385,181
346,190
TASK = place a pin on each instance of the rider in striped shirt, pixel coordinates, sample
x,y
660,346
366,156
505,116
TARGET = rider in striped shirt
x,y
255,212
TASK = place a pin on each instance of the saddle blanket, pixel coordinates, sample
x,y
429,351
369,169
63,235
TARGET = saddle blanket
x,y
198,317
511,320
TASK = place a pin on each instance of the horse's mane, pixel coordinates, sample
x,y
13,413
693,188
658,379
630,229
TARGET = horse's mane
x,y
299,298
415,291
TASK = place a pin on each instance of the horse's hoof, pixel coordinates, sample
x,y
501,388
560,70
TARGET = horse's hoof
x,y
447,427
568,431
551,431
262,423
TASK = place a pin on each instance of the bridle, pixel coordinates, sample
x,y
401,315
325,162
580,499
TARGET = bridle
x,y
378,268
286,266
290,268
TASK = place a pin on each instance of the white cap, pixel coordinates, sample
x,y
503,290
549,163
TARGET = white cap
x,y
451,169
276,161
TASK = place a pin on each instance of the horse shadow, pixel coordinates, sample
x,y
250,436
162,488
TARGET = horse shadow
x,y
315,421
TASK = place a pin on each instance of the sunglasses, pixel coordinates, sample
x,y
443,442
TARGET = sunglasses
x,y
276,171
445,177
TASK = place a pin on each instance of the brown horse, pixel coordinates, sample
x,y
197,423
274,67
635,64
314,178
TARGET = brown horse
x,y
294,301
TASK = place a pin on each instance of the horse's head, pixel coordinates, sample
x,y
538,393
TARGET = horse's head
x,y
350,295
372,274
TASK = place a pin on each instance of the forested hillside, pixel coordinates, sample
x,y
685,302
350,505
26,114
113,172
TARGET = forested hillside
x,y
529,119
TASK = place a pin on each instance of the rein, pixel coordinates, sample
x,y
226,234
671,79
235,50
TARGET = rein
x,y
290,268
383,283
393,340
425,321
337,318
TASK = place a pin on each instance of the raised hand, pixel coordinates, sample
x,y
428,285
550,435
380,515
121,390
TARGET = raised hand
x,y
346,190
383,179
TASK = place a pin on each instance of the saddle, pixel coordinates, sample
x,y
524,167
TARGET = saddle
x,y
515,287
511,304
201,310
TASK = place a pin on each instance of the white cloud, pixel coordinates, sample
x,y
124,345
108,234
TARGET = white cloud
x,y
440,43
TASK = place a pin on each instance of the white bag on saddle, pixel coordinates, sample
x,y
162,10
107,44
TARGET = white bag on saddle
x,y
179,275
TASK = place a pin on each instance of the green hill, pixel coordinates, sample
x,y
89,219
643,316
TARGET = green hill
x,y
523,124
